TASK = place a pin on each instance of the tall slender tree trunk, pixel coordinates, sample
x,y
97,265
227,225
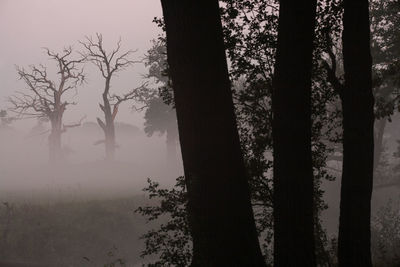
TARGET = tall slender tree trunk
x,y
293,174
220,213
358,138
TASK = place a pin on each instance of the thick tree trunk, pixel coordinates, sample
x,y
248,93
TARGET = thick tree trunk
x,y
220,214
293,174
55,148
358,138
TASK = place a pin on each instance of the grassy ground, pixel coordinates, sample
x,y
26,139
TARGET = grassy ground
x,y
72,233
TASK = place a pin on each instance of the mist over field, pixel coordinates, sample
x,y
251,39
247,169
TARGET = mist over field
x,y
91,170
49,210
26,171
81,211
27,27
78,211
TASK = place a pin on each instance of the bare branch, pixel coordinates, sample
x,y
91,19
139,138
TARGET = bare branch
x,y
138,94
42,97
331,69
107,63
101,124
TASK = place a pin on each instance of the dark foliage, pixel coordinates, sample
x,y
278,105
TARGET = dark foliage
x,y
170,243
159,117
250,36
250,39
385,235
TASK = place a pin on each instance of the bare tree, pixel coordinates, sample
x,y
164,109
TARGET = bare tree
x,y
44,97
109,64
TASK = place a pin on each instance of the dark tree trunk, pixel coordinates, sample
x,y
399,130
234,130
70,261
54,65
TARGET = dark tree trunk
x,y
220,214
358,138
293,174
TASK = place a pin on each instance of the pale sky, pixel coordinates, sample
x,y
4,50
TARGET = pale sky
x,y
28,25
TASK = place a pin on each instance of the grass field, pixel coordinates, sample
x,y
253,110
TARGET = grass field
x,y
72,233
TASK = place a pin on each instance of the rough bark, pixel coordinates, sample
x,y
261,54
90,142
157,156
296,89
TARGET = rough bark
x,y
220,214
358,138
293,174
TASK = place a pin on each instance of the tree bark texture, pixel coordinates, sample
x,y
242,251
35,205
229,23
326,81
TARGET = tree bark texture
x,y
291,103
220,213
358,138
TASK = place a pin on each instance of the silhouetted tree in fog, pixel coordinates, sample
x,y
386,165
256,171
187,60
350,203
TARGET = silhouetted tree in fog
x,y
385,50
291,104
45,98
160,117
220,214
109,63
358,137
160,114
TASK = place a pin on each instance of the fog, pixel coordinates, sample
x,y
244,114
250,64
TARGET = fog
x,y
74,212
83,181
26,171
26,28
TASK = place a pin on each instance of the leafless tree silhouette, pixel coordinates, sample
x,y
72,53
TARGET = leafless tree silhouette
x,y
45,97
109,63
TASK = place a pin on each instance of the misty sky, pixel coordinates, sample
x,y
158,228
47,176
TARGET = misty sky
x,y
28,25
